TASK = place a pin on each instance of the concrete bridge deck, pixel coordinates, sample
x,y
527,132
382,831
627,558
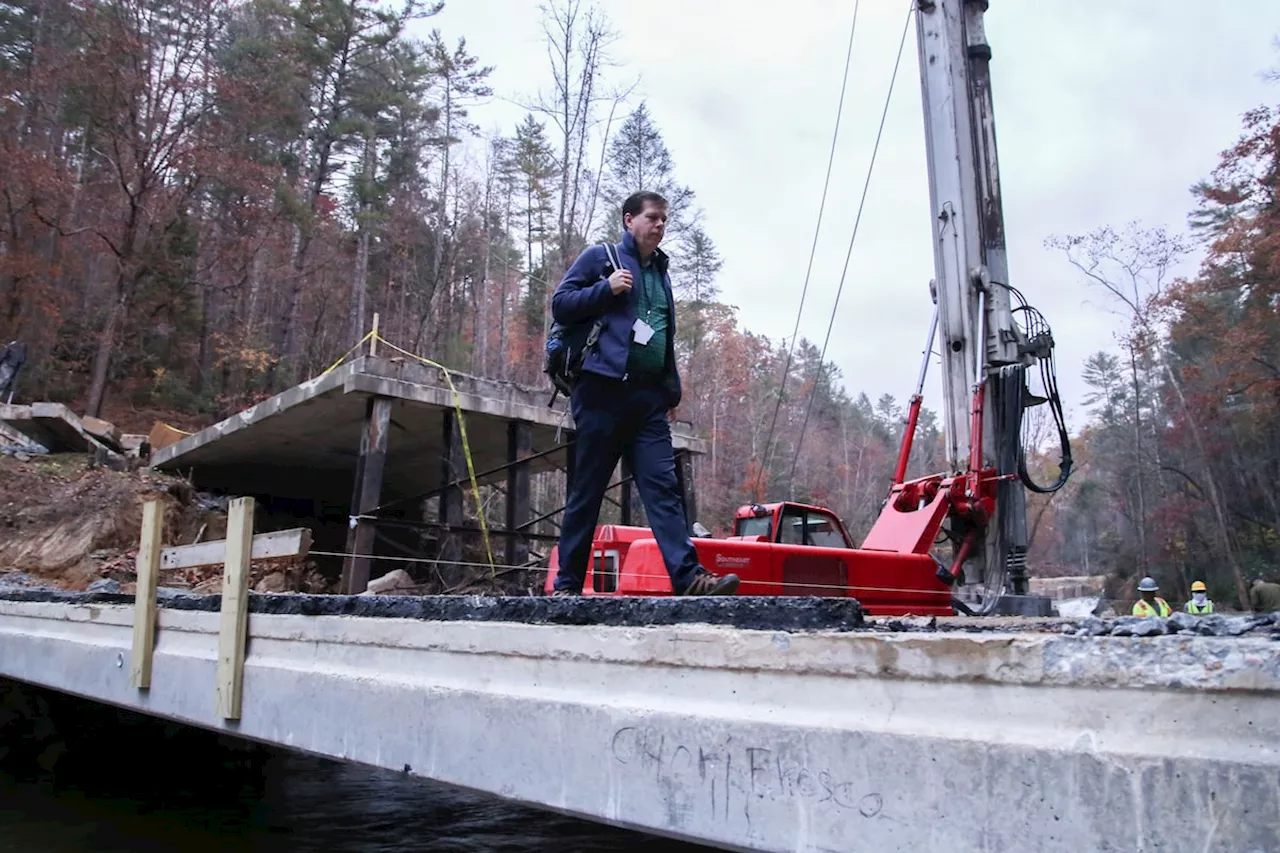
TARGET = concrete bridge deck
x,y
747,739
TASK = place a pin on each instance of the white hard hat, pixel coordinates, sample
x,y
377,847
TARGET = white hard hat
x,y
1147,584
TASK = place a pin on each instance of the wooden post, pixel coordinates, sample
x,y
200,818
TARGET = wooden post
x,y
233,624
519,511
144,596
373,341
367,493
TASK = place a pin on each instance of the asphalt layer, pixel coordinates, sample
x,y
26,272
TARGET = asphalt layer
x,y
766,613
760,613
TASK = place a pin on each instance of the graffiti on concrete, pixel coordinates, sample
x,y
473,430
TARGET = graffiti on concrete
x,y
729,774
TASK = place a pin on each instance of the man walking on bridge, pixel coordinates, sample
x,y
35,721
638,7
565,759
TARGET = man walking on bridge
x,y
621,402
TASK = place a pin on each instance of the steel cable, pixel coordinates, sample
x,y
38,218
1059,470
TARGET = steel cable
x,y
849,252
822,206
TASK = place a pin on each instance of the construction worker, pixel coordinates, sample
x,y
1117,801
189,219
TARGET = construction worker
x,y
1150,604
1264,596
1199,603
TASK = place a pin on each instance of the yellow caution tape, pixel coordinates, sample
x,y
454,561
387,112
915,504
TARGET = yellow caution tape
x,y
462,430
361,343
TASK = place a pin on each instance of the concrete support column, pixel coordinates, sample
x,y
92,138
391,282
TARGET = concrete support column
x,y
453,467
366,493
519,444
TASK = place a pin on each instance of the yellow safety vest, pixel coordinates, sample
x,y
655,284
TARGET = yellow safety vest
x,y
1144,609
1200,610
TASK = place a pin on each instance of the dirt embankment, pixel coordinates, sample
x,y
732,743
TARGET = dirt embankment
x,y
67,525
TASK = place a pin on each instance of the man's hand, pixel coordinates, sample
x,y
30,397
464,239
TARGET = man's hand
x,y
620,282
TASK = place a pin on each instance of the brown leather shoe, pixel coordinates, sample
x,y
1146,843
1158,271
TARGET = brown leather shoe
x,y
709,583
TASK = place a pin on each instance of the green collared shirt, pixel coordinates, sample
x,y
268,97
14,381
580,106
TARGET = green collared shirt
x,y
651,307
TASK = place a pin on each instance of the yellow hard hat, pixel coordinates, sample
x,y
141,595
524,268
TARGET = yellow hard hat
x,y
1198,586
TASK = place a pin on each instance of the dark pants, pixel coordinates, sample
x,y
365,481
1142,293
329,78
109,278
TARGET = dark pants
x,y
616,420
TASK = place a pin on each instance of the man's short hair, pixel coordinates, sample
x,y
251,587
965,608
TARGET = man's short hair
x,y
636,201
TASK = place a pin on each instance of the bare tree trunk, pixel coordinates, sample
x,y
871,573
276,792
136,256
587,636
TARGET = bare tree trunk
x,y
502,329
844,441
255,292
589,219
286,337
288,341
572,35
456,308
482,291
438,286
102,356
1141,525
360,281
715,432
204,364
1215,494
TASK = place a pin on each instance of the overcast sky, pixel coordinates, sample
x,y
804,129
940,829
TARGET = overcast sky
x,y
1105,112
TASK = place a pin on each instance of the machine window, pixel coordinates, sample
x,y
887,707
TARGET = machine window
x,y
604,571
754,526
823,531
792,524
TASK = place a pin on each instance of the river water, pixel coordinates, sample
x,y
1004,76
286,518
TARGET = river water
x,y
125,784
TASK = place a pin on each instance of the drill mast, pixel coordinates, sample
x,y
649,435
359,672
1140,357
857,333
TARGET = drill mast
x,y
975,321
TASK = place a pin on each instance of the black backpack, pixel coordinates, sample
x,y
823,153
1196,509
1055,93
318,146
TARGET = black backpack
x,y
567,347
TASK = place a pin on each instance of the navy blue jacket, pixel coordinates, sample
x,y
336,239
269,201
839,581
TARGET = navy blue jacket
x,y
584,294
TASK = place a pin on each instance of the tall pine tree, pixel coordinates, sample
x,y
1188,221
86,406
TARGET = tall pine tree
x,y
639,160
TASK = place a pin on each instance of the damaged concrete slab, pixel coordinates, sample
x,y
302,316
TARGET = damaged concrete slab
x,y
305,442
104,431
51,425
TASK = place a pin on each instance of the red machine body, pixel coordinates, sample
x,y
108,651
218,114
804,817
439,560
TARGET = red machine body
x,y
777,549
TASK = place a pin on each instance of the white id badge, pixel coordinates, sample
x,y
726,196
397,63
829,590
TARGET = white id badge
x,y
643,331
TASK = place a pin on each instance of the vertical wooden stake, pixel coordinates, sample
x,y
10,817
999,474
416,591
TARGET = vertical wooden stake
x,y
373,341
144,596
233,624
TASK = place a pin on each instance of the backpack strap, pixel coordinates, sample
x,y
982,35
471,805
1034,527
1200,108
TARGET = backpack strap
x,y
611,252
